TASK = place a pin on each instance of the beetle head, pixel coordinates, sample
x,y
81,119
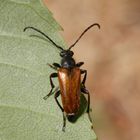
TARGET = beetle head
x,y
67,61
66,53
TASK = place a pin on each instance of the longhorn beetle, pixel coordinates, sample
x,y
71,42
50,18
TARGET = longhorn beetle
x,y
69,77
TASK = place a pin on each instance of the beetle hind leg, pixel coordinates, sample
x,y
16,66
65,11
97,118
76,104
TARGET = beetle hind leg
x,y
85,91
64,117
53,75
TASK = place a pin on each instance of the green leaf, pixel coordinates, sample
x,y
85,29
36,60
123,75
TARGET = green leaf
x,y
24,76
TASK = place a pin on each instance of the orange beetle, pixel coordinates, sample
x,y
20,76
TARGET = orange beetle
x,y
69,77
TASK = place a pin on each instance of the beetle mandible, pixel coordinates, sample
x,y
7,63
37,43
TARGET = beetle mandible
x,y
69,77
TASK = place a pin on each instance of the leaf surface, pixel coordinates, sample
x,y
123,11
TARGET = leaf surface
x,y
24,76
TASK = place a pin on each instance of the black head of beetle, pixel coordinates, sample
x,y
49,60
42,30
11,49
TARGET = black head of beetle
x,y
67,60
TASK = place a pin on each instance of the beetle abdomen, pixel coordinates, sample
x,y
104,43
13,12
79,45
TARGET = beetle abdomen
x,y
69,82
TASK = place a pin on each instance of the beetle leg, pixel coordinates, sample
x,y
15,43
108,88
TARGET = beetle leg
x,y
64,118
85,91
79,64
53,75
85,76
56,65
53,67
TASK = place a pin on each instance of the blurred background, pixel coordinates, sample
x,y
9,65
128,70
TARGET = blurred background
x,y
111,57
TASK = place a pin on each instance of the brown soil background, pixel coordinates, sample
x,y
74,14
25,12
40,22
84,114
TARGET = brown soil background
x,y
111,56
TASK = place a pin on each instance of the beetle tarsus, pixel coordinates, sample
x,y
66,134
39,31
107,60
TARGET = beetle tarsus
x,y
64,122
63,129
48,95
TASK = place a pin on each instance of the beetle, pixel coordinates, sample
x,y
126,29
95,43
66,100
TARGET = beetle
x,y
69,78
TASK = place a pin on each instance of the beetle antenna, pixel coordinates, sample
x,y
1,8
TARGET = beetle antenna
x,y
95,24
33,28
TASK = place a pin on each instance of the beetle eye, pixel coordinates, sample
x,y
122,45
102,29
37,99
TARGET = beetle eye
x,y
62,53
71,53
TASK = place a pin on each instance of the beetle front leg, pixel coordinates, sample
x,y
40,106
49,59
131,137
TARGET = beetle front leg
x,y
53,75
79,64
64,118
54,66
